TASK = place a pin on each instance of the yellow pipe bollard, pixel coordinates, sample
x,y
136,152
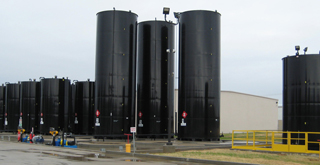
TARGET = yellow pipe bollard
x,y
128,148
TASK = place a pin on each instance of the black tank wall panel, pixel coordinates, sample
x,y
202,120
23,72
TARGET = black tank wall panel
x,y
54,109
199,75
155,79
301,95
30,105
12,108
72,111
2,106
84,105
115,72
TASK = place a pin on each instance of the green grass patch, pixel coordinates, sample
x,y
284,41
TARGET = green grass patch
x,y
232,154
246,156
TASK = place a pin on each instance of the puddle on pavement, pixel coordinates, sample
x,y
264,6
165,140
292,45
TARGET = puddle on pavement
x,y
31,151
90,157
85,157
77,158
132,160
98,156
69,157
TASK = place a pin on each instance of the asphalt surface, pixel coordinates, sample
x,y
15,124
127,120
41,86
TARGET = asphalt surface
x,y
99,152
32,154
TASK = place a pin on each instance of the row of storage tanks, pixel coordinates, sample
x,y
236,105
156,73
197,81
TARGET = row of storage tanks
x,y
51,102
118,64
134,78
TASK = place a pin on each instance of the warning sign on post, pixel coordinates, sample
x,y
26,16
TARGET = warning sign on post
x,y
140,123
183,124
184,114
97,122
97,113
133,129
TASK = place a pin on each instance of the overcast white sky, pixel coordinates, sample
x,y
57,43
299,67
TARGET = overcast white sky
x,y
46,38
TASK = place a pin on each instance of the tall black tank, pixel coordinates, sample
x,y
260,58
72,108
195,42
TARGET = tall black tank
x,y
12,108
155,77
2,106
115,73
199,75
84,105
30,105
301,95
54,104
72,107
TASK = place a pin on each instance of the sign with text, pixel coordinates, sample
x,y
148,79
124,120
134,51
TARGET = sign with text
x,y
133,129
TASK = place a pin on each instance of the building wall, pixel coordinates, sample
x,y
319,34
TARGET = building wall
x,y
280,123
241,111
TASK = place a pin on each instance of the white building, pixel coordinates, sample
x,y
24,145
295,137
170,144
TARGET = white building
x,y
280,123
240,111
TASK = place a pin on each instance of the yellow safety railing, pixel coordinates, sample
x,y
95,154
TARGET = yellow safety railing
x,y
279,141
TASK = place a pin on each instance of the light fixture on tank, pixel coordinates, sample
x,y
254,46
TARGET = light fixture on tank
x,y
166,10
297,49
305,50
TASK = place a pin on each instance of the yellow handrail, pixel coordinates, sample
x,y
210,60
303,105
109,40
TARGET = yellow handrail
x,y
280,141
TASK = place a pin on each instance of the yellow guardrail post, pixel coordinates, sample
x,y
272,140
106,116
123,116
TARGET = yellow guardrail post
x,y
289,140
272,141
254,139
232,138
247,138
266,137
306,141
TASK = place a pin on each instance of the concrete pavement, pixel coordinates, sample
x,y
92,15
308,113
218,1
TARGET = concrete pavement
x,y
32,154
99,152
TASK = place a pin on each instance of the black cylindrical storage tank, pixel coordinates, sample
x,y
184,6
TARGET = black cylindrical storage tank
x,y
12,107
30,105
84,105
155,77
72,107
199,75
2,106
54,104
115,73
301,96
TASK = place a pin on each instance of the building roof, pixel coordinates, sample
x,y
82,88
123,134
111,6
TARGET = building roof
x,y
249,95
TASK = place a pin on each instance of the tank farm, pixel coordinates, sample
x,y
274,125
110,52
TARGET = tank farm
x,y
134,85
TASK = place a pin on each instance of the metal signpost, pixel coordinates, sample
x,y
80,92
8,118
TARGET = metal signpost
x,y
133,130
